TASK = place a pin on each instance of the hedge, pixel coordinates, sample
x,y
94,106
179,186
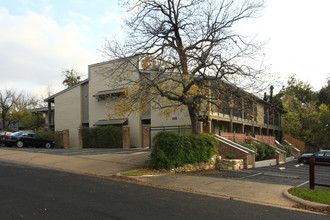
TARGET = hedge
x,y
172,150
46,133
263,150
102,137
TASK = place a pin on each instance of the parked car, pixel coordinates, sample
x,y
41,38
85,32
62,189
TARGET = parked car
x,y
25,139
321,156
4,133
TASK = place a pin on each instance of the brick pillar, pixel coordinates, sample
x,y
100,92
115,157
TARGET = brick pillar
x,y
66,139
126,137
146,136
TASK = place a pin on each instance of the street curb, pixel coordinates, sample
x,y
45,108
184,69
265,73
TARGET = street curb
x,y
136,177
306,203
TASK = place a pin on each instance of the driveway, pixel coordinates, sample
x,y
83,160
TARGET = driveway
x,y
291,173
103,162
74,152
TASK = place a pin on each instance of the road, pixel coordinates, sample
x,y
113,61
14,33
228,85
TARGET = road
x,y
28,192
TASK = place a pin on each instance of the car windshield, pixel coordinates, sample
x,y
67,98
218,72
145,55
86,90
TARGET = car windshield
x,y
17,133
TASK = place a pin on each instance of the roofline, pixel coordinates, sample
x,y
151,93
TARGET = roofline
x,y
253,95
112,61
65,90
86,80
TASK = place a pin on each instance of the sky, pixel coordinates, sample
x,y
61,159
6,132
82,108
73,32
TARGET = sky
x,y
41,38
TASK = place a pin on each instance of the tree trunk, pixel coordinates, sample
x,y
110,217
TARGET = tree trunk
x,y
193,118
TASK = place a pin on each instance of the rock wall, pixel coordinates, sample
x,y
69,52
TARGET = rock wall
x,y
215,163
226,164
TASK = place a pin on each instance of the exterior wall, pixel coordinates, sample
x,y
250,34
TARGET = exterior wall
x,y
84,103
68,114
175,118
99,110
260,112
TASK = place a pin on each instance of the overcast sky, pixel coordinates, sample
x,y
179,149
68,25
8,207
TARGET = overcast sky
x,y
40,38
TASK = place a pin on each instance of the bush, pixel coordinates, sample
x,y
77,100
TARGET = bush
x,y
174,150
230,156
286,149
263,150
102,137
46,133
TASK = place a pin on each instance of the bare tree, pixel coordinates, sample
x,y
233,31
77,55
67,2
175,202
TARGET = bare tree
x,y
193,58
12,102
8,100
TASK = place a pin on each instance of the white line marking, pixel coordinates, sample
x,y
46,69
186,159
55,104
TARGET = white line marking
x,y
252,175
303,183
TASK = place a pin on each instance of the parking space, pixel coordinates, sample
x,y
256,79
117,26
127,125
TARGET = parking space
x,y
292,173
77,152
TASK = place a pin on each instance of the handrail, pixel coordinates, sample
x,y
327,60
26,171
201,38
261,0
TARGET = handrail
x,y
235,145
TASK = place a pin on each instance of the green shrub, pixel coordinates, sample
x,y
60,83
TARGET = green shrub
x,y
263,150
230,156
286,149
102,137
174,150
46,133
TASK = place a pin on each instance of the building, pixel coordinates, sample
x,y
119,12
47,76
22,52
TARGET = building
x,y
89,102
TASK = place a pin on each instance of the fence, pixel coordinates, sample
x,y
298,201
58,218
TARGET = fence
x,y
241,137
182,129
298,144
322,176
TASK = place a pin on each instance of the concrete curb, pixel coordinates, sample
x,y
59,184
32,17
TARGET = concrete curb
x,y
306,203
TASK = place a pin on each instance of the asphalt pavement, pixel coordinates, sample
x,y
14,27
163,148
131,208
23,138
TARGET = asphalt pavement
x,y
291,174
111,162
30,192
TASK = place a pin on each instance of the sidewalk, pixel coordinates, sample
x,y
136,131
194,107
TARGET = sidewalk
x,y
267,194
101,165
108,165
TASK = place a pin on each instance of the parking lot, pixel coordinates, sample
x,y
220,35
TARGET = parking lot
x,y
291,173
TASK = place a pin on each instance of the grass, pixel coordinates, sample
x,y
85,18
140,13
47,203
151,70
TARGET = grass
x,y
320,196
140,172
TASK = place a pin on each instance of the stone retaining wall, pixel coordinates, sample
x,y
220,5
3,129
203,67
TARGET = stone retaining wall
x,y
215,163
226,164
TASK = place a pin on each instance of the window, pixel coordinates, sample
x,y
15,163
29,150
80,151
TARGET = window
x,y
319,154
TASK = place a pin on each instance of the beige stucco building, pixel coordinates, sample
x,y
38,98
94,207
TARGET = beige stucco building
x,y
90,102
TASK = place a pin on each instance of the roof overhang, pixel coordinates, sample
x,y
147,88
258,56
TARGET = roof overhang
x,y
108,93
103,122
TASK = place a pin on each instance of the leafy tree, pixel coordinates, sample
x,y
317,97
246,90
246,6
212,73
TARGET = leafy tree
x,y
299,117
324,94
32,121
319,133
72,77
305,118
189,48
301,90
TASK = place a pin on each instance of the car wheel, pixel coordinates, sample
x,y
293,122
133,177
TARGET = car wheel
x,y
19,144
48,145
305,160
